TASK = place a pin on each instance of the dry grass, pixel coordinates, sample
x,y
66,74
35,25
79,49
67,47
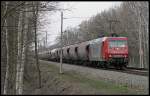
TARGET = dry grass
x,y
71,83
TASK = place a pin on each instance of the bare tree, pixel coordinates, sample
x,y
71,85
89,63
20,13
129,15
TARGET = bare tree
x,y
7,65
18,26
35,31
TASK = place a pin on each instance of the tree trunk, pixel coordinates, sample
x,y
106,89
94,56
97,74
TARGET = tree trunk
x,y
140,39
7,62
20,29
36,52
22,40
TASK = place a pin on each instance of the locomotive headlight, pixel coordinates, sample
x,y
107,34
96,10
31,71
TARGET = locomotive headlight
x,y
110,55
125,56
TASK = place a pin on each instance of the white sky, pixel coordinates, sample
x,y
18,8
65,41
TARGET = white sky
x,y
79,9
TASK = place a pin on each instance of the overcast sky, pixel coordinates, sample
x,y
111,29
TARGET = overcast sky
x,y
84,10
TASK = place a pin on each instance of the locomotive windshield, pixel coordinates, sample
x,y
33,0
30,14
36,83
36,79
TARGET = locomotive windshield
x,y
117,43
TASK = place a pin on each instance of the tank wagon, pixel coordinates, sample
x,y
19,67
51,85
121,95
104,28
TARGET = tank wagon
x,y
101,52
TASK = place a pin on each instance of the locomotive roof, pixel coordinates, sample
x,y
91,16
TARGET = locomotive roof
x,y
88,42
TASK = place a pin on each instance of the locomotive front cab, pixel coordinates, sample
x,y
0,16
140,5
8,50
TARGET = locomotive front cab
x,y
117,50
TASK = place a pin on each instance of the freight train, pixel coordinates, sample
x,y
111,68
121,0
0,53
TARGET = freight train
x,y
101,52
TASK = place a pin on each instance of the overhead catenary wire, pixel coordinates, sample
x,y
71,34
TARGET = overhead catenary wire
x,y
70,18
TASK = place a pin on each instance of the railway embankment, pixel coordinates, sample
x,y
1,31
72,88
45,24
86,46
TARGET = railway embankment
x,y
79,80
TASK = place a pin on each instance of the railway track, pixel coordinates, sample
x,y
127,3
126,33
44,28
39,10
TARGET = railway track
x,y
128,70
135,71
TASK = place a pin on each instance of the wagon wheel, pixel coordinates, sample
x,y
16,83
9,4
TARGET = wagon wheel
x,y
101,65
106,65
117,67
123,67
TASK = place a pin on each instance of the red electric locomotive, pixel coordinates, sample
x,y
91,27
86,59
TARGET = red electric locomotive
x,y
115,51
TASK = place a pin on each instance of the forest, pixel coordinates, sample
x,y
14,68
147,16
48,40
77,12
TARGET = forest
x,y
20,21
